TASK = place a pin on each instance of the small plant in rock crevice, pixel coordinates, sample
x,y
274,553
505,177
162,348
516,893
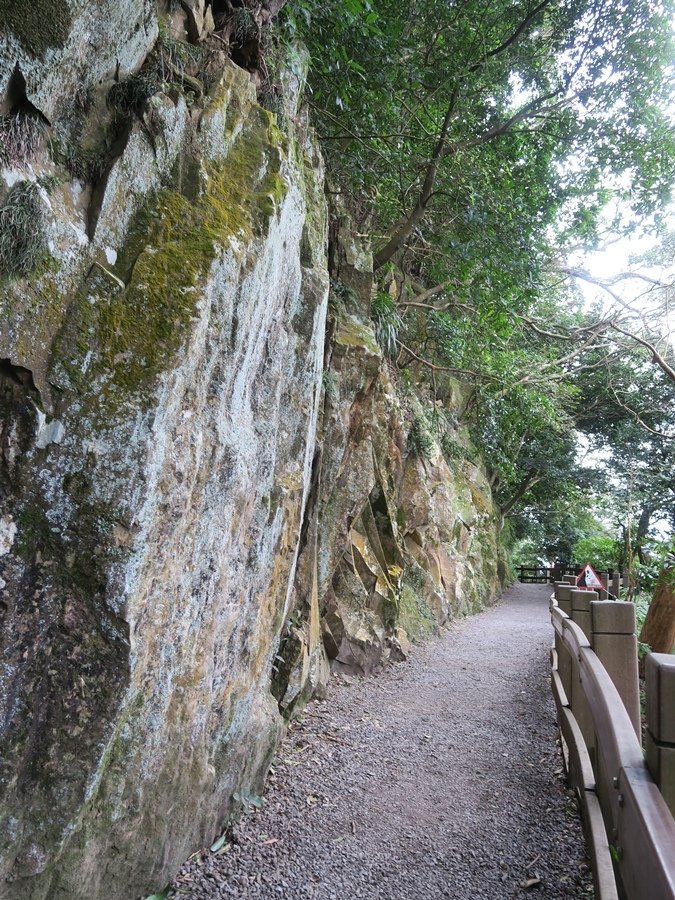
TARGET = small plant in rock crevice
x,y
414,576
23,230
130,96
420,441
387,320
172,63
20,138
84,163
341,298
330,386
243,27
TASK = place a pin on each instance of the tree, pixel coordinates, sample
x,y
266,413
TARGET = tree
x,y
480,142
658,630
450,113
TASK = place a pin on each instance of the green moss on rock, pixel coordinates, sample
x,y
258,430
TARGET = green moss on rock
x,y
353,334
133,329
37,25
414,615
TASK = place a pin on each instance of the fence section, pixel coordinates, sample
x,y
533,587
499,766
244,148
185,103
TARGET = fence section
x,y
630,829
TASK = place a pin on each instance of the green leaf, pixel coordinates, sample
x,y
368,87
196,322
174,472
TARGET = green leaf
x,y
215,847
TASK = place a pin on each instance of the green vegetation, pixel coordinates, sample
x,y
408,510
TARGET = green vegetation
x,y
20,138
170,246
601,551
387,320
172,64
414,615
482,146
23,230
39,25
420,440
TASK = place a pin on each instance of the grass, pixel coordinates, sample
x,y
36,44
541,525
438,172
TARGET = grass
x,y
130,96
20,137
23,238
387,320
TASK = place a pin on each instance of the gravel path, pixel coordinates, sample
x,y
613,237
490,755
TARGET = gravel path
x,y
439,778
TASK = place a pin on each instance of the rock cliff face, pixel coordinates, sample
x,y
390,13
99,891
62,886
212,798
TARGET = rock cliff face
x,y
181,560
399,542
160,390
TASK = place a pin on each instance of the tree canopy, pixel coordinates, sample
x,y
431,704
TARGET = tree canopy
x,y
484,145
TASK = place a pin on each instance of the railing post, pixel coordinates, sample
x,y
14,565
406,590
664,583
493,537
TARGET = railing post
x,y
522,574
581,610
604,578
660,737
615,644
563,599
563,596
616,584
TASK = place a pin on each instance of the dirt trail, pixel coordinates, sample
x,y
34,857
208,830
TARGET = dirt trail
x,y
439,778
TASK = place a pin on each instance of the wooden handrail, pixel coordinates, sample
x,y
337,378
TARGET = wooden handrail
x,y
639,825
612,723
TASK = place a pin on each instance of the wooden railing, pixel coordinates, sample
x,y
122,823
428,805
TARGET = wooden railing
x,y
545,574
629,827
562,572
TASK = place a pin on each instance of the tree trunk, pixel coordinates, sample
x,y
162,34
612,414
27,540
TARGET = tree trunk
x,y
641,535
658,630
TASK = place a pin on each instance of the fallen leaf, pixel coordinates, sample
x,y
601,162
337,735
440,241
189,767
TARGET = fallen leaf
x,y
530,883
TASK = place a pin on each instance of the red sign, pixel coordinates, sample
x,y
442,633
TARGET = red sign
x,y
589,580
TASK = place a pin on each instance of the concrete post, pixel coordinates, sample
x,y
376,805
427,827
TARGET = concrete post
x,y
615,645
581,610
616,585
604,578
570,579
660,738
564,597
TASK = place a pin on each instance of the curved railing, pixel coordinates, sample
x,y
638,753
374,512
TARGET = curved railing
x,y
630,829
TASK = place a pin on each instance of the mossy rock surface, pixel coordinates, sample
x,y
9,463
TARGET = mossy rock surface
x,y
38,25
353,333
132,319
414,615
